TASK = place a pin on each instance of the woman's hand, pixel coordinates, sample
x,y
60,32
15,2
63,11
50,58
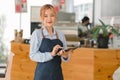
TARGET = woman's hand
x,y
63,53
55,50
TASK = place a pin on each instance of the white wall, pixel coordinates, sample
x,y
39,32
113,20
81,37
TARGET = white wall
x,y
79,2
105,15
7,8
97,11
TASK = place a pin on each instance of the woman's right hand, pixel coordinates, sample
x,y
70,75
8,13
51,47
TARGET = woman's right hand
x,y
55,50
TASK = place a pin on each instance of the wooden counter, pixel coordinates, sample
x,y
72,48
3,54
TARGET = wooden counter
x,y
84,64
92,64
23,67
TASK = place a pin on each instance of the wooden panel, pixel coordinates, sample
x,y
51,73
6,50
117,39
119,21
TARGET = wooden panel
x,y
92,64
106,62
22,68
80,65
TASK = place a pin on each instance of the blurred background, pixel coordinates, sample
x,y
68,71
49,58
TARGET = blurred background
x,y
70,12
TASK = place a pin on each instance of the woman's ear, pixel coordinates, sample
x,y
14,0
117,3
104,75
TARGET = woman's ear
x,y
41,19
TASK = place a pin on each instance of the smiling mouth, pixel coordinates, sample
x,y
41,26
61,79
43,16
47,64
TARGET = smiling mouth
x,y
49,22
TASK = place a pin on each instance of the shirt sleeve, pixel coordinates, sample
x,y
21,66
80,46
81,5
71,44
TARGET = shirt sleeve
x,y
66,60
35,54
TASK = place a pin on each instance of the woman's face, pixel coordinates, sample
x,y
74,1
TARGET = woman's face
x,y
49,18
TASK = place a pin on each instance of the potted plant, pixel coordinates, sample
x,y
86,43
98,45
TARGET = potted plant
x,y
101,34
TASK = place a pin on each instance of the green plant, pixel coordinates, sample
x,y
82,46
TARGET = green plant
x,y
105,30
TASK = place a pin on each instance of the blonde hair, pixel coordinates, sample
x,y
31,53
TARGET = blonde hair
x,y
46,7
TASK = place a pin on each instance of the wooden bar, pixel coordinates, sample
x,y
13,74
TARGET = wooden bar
x,y
92,64
23,67
84,64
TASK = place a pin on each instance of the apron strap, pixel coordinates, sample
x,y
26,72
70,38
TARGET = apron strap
x,y
56,35
42,33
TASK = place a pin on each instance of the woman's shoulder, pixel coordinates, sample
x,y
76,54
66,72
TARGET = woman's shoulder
x,y
37,30
60,32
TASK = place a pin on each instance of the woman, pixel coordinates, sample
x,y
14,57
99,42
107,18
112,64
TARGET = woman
x,y
45,47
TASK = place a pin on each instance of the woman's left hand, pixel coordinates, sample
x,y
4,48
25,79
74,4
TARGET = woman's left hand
x,y
63,53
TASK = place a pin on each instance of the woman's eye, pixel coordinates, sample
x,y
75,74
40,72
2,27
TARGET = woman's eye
x,y
52,15
45,16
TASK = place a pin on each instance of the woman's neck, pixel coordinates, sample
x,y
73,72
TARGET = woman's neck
x,y
50,30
